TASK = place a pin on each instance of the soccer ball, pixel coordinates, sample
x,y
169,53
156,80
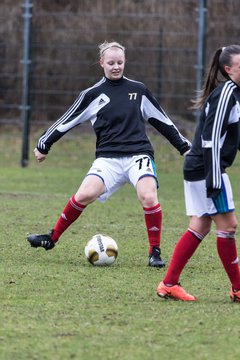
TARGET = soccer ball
x,y
101,250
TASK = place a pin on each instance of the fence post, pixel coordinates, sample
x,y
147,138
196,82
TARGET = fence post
x,y
25,106
200,47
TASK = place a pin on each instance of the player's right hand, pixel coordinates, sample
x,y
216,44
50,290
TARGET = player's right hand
x,y
39,156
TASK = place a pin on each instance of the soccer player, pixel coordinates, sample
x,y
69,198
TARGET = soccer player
x,y
118,109
208,193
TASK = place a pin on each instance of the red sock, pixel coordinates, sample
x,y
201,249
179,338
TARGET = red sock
x,y
227,251
183,251
70,213
153,220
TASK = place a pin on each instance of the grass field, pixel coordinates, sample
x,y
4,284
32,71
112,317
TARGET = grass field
x,y
56,306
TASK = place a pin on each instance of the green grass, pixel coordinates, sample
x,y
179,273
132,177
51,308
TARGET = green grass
x,y
56,306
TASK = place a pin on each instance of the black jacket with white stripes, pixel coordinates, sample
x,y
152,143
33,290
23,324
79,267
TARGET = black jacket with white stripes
x,y
217,138
117,110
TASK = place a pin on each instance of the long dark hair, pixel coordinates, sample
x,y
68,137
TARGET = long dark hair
x,y
221,58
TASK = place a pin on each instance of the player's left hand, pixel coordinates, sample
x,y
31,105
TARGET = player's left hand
x,y
39,156
186,152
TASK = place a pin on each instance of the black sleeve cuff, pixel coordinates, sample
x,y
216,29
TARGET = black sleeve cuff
x,y
213,193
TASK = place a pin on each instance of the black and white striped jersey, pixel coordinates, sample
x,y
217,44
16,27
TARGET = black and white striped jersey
x,y
217,138
118,111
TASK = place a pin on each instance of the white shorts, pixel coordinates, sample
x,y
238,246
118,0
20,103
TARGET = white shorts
x,y
115,172
198,204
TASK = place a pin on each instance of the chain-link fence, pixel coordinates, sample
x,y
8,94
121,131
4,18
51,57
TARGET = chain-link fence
x,y
161,37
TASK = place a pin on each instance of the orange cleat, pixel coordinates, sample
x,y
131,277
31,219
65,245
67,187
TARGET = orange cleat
x,y
175,292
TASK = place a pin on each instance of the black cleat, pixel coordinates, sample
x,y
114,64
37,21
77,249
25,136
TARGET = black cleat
x,y
155,259
44,241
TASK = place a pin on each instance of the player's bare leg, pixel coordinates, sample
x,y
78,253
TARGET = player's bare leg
x,y
91,187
